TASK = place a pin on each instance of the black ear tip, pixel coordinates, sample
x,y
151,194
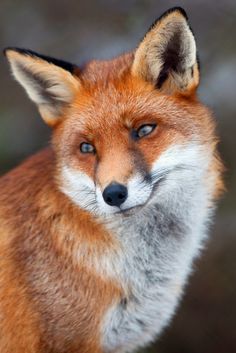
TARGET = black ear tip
x,y
176,9
167,13
5,50
18,50
61,63
21,51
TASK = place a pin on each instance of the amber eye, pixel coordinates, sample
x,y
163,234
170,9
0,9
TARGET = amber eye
x,y
87,148
145,130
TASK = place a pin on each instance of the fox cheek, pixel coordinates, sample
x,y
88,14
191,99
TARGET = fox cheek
x,y
79,187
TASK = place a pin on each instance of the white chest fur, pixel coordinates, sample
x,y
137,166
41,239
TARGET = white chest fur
x,y
158,245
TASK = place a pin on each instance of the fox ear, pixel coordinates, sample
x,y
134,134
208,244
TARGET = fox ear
x,y
48,82
167,55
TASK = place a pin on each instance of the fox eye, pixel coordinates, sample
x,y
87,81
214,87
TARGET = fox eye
x,y
145,130
86,147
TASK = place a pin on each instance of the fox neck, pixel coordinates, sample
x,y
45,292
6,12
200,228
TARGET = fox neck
x,y
171,226
158,246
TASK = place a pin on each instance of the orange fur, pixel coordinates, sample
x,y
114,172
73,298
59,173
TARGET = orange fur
x,y
71,285
52,295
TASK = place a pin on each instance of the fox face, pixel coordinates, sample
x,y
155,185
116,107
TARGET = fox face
x,y
126,132
124,147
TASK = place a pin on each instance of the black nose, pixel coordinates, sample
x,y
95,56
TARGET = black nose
x,y
115,194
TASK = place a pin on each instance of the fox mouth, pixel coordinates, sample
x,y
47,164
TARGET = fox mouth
x,y
135,209
152,182
130,211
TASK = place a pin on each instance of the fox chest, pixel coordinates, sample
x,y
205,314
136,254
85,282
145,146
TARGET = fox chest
x,y
152,271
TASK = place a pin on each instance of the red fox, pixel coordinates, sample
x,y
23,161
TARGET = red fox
x,y
98,232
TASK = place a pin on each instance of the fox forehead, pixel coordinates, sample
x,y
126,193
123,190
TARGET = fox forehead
x,y
124,103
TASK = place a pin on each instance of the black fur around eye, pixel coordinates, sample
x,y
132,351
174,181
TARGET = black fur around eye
x,y
86,147
144,130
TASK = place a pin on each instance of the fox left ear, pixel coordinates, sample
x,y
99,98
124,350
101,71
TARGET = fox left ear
x,y
49,82
167,55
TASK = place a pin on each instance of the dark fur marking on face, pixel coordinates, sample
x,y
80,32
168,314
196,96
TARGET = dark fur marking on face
x,y
141,165
134,135
124,302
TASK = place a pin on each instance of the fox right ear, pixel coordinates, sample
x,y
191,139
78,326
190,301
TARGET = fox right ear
x,y
167,55
48,82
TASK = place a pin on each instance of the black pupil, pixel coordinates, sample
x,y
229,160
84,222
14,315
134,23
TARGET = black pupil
x,y
145,129
86,148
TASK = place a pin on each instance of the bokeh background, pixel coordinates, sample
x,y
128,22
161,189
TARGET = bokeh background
x,y
78,30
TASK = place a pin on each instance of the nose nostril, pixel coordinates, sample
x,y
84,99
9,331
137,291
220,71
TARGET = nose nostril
x,y
121,196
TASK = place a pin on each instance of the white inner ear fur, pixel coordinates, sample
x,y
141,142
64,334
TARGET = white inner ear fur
x,y
47,85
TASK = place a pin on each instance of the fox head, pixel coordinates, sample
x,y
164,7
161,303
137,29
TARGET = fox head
x,y
129,131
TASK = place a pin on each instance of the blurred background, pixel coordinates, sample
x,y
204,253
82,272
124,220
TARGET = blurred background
x,y
76,30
